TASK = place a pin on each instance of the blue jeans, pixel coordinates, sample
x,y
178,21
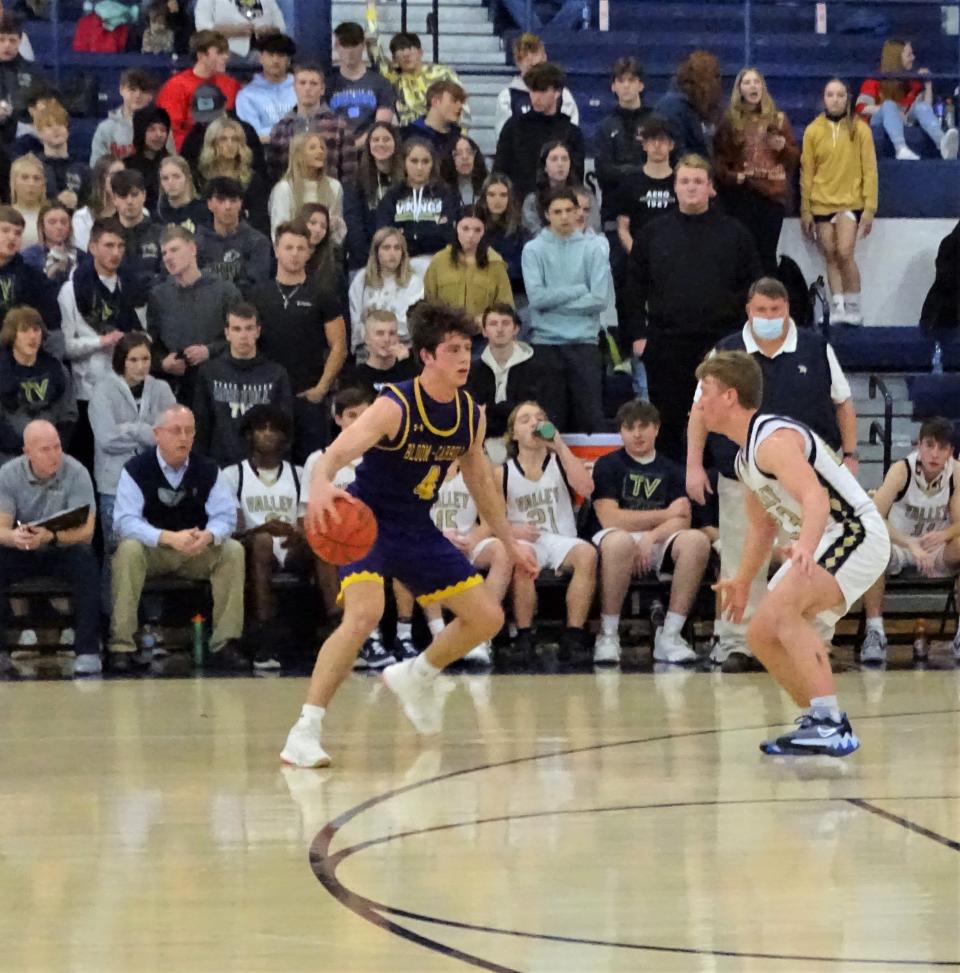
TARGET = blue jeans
x,y
889,118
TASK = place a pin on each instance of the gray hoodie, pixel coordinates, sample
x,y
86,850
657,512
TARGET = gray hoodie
x,y
120,428
114,136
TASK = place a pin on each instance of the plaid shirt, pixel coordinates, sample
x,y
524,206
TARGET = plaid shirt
x,y
341,145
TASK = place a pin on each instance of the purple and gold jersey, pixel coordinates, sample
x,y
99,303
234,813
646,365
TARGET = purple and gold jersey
x,y
400,477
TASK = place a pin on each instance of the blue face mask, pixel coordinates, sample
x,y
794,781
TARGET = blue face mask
x,y
767,329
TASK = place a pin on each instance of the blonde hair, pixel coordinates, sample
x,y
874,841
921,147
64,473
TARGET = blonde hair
x,y
181,163
20,318
738,371
373,274
25,162
210,165
526,44
738,113
52,114
694,161
298,178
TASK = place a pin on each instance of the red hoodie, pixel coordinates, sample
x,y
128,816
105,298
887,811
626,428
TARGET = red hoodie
x,y
176,93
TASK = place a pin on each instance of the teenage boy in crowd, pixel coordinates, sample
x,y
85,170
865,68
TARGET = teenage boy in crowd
x,y
114,135
270,95
141,235
312,114
641,525
231,384
303,330
566,276
231,248
151,139
528,51
920,501
618,151
68,179
648,193
18,77
440,127
508,372
520,141
383,366
211,52
359,95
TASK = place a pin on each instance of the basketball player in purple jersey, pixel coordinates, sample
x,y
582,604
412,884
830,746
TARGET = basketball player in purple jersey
x,y
407,439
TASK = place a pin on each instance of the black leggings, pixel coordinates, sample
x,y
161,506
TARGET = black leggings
x,y
762,216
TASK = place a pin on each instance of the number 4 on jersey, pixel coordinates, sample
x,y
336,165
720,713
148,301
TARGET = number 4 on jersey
x,y
426,489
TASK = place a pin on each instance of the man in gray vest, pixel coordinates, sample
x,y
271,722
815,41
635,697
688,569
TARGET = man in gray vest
x,y
175,514
802,379
34,487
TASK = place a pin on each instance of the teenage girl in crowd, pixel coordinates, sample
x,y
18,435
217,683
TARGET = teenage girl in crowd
x,y
838,194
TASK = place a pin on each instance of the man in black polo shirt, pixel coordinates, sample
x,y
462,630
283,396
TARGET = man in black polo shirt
x,y
802,379
303,330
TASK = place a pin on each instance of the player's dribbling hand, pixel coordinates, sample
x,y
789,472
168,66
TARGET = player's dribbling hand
x,y
524,561
323,498
733,598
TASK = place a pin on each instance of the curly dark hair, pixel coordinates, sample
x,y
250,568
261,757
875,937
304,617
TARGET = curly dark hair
x,y
698,77
431,321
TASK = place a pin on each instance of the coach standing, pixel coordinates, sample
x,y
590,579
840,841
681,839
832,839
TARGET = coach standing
x,y
802,379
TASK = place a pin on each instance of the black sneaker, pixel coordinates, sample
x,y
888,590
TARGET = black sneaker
x,y
228,658
403,648
7,669
815,735
120,662
572,645
374,654
740,662
266,659
523,646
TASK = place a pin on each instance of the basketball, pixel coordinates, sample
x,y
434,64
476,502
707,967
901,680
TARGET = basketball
x,y
347,541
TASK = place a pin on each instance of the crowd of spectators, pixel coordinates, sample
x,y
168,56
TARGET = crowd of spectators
x,y
193,296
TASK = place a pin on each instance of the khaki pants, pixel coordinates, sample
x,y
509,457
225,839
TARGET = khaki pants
x,y
222,565
733,532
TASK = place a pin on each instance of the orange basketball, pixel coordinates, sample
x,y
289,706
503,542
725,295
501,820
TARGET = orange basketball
x,y
347,541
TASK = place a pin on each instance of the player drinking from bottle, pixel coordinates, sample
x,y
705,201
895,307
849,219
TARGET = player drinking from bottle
x,y
840,547
408,438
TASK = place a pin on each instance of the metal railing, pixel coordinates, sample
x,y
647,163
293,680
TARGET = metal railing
x,y
885,432
433,25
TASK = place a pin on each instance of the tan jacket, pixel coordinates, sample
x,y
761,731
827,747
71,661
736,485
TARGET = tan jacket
x,y
467,286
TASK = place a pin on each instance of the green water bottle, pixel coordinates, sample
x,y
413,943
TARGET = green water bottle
x,y
198,640
546,431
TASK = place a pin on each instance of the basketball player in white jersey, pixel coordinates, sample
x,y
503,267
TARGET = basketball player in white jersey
x,y
270,515
455,514
537,479
920,499
840,548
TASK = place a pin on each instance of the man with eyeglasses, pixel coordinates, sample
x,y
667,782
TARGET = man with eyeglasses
x,y
175,514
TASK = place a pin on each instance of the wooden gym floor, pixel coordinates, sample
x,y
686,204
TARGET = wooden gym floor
x,y
590,822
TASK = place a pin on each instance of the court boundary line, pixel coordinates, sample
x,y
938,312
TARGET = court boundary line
x,y
864,804
324,864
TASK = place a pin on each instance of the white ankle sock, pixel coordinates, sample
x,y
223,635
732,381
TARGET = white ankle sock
x,y
404,630
423,669
673,623
825,704
837,302
436,626
312,713
852,302
876,625
610,624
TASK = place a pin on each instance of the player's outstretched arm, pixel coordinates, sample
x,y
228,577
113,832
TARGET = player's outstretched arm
x,y
478,476
783,455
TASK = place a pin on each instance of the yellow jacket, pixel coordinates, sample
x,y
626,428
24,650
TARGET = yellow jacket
x,y
837,172
412,88
466,285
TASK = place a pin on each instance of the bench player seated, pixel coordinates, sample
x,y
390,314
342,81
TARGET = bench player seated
x,y
642,527
270,513
537,480
455,514
920,501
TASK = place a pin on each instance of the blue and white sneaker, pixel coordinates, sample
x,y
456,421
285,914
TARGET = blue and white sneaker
x,y
374,654
815,736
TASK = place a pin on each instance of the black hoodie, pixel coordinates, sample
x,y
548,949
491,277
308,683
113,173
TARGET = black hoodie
x,y
618,154
148,165
17,79
518,148
426,216
226,388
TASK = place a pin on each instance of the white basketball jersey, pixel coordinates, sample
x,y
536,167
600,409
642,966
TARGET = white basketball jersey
x,y
545,502
260,500
922,506
848,501
341,479
454,508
